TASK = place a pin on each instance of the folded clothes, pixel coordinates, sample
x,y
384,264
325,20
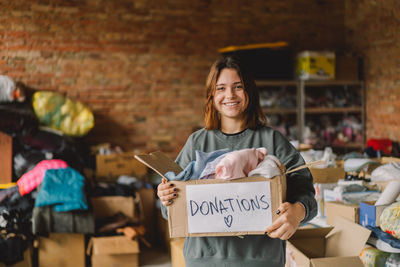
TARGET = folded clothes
x,y
195,168
238,164
30,180
64,189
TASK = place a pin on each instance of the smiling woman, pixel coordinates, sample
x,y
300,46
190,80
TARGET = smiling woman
x,y
230,100
234,120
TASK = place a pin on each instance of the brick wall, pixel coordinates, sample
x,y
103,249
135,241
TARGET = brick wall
x,y
373,28
141,65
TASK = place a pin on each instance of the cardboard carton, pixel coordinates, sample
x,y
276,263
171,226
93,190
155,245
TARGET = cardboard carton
x,y
327,175
148,202
113,251
62,250
316,65
5,158
108,206
109,167
323,247
385,160
370,214
218,219
177,258
336,208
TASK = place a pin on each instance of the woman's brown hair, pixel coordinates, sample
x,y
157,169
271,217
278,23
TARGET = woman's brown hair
x,y
255,117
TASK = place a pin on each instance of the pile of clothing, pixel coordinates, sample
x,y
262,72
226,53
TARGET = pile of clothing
x,y
228,165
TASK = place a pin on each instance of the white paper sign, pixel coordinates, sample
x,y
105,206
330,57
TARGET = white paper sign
x,y
228,207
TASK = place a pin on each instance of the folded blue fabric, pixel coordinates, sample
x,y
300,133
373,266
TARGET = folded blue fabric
x,y
195,168
385,237
62,188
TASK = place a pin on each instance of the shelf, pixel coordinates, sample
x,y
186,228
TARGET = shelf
x,y
276,83
333,83
279,110
347,145
309,82
334,110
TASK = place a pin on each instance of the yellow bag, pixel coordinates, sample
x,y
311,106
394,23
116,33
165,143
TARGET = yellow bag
x,y
63,114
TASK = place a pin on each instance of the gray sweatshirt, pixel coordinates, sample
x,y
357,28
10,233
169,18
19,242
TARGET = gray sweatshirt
x,y
251,250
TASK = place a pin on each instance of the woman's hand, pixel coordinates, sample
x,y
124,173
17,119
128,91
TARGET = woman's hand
x,y
290,216
166,191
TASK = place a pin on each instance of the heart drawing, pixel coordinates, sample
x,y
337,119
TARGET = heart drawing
x,y
228,220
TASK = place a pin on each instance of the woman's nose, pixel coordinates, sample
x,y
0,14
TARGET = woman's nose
x,y
230,93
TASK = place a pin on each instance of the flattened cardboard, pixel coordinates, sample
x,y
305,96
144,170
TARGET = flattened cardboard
x,y
108,167
5,158
113,251
177,213
62,250
336,208
341,246
108,206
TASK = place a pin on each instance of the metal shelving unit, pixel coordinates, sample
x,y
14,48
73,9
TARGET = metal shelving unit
x,y
301,111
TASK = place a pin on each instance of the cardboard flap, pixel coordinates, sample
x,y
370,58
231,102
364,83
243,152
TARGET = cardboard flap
x,y
346,239
337,261
159,162
177,213
114,245
311,242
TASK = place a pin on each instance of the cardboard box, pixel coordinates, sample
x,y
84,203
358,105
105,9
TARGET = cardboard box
x,y
336,209
109,167
177,259
316,65
62,250
385,160
148,202
5,158
370,214
237,211
26,262
113,251
108,206
327,175
323,247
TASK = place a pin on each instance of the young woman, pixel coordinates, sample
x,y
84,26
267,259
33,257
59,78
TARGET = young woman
x,y
234,120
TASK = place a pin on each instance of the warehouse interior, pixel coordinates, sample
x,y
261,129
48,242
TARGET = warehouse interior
x,y
85,86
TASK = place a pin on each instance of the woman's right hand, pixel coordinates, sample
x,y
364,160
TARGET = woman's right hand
x,y
166,191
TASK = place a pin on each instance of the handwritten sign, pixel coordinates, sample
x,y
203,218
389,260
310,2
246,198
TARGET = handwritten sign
x,y
228,207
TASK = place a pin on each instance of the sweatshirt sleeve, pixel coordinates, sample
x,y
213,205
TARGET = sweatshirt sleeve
x,y
183,159
300,186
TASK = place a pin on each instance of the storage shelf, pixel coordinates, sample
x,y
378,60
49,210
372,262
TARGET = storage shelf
x,y
279,110
276,83
334,110
333,83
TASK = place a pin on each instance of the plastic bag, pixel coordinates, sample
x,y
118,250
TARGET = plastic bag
x,y
390,220
63,114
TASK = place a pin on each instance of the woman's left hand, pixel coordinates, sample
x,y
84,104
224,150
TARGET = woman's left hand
x,y
290,216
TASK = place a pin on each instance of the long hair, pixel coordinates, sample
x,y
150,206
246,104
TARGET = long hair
x,y
254,116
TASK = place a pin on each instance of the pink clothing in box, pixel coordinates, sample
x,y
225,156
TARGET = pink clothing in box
x,y
30,180
238,164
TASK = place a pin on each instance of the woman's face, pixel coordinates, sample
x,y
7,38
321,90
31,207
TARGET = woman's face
x,y
230,98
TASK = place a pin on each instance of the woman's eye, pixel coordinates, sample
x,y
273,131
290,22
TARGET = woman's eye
x,y
220,88
239,87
